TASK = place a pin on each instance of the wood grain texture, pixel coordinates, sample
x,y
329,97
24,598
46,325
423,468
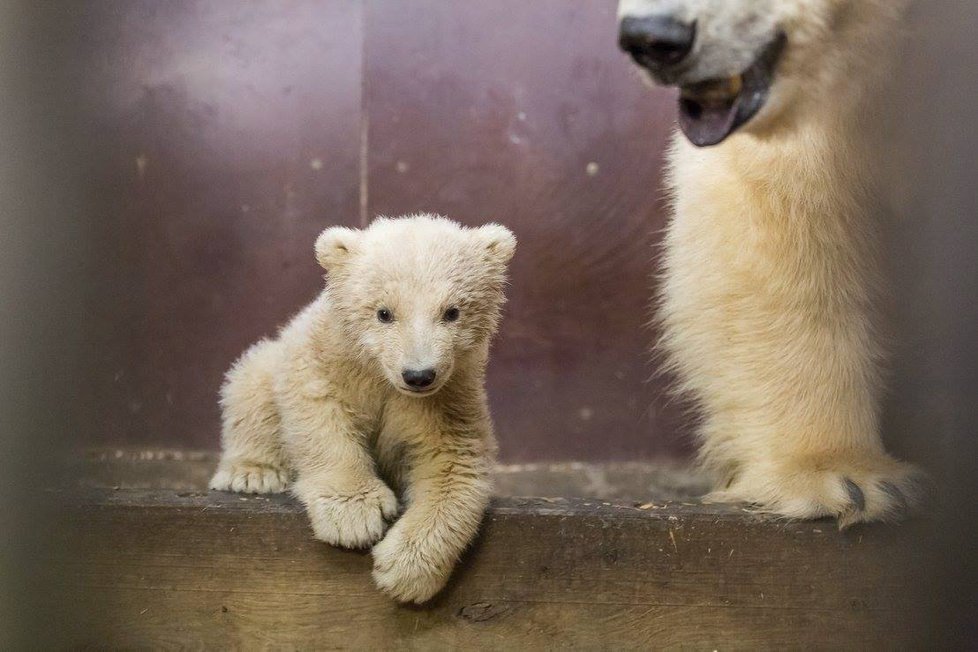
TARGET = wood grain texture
x,y
211,570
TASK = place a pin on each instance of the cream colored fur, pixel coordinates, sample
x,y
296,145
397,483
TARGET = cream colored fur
x,y
771,271
325,400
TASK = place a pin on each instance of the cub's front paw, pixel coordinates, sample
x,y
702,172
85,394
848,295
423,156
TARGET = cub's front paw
x,y
851,488
250,478
407,572
354,519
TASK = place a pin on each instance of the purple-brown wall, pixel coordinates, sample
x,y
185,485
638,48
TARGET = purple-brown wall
x,y
229,134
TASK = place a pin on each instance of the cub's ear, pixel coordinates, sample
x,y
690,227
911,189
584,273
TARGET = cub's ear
x,y
499,241
335,245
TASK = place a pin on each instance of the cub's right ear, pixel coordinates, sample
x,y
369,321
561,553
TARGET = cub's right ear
x,y
334,245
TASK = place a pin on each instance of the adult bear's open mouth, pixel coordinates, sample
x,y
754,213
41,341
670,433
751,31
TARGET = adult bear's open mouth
x,y
711,110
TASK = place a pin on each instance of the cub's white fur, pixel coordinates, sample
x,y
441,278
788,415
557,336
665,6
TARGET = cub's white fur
x,y
771,275
326,400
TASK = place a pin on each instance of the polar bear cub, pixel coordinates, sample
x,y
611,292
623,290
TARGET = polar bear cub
x,y
376,390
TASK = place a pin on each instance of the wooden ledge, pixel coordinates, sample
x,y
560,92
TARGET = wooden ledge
x,y
622,481
186,567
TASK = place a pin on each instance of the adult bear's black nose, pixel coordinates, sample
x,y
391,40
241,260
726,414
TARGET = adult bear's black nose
x,y
418,378
656,41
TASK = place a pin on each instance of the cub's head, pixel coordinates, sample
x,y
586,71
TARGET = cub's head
x,y
416,293
755,64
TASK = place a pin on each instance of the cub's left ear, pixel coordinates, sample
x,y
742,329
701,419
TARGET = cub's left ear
x,y
335,245
499,241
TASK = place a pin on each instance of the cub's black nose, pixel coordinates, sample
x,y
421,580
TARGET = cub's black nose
x,y
656,41
418,378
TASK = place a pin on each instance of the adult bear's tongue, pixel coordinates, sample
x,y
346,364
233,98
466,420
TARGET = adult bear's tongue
x,y
709,112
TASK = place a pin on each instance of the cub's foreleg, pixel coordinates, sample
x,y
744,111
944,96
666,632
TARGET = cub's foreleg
x,y
347,503
448,489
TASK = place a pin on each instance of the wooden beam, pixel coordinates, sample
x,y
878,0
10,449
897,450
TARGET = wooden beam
x,y
165,568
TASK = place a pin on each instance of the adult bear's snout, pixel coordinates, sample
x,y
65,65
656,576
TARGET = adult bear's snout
x,y
657,41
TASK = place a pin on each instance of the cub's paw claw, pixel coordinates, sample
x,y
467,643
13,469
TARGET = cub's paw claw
x,y
406,573
354,519
250,478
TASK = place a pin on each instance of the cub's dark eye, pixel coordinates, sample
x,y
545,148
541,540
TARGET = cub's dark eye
x,y
385,316
451,314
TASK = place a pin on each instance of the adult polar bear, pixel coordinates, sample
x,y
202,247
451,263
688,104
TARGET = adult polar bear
x,y
771,270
